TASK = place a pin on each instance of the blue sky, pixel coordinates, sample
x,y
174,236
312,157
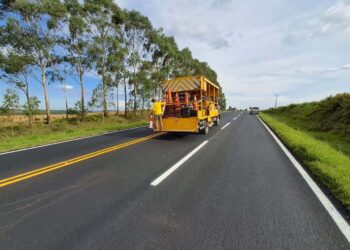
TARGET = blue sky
x,y
297,49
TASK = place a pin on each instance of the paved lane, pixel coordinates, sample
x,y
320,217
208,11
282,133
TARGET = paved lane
x,y
237,192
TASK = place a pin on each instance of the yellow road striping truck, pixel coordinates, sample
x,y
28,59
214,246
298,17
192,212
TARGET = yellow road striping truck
x,y
191,105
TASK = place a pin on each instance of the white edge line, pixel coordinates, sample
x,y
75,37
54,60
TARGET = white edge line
x,y
333,212
70,140
177,165
226,125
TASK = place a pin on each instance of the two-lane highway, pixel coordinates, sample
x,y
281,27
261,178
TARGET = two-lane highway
x,y
231,189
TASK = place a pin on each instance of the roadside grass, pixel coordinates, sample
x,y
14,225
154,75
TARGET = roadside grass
x,y
327,163
336,139
327,120
62,129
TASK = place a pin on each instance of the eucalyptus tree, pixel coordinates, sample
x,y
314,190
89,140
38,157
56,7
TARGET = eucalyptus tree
x,y
15,69
103,16
31,108
136,31
125,87
163,57
77,44
183,63
58,73
95,101
116,66
34,27
222,99
10,104
148,86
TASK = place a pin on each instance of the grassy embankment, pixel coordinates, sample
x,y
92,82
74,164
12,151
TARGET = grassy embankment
x,y
61,130
318,134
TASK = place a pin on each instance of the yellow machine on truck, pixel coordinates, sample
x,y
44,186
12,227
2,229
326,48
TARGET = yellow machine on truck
x,y
191,105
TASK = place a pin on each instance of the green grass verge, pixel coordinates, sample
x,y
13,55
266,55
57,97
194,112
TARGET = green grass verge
x,y
330,166
334,138
62,130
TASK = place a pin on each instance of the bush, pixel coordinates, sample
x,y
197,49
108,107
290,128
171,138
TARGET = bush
x,y
331,114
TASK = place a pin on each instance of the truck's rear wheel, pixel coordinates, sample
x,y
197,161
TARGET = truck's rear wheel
x,y
217,122
205,130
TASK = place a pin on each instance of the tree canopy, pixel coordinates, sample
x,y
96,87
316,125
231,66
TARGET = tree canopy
x,y
120,45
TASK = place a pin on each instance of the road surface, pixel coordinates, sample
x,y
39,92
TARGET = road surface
x,y
231,189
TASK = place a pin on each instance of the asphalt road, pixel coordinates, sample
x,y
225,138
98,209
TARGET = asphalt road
x,y
239,191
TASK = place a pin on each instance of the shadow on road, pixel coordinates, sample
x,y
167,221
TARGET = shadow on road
x,y
172,136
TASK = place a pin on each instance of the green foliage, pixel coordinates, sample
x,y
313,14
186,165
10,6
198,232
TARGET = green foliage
x,y
329,115
222,100
32,29
327,163
10,102
121,46
31,107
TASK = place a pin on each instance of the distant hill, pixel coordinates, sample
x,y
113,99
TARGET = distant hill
x,y
331,114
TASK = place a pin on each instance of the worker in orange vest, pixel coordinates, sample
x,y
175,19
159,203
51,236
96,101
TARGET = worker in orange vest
x,y
158,109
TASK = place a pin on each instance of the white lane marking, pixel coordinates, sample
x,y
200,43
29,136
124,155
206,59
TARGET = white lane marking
x,y
76,139
333,212
177,165
234,118
226,125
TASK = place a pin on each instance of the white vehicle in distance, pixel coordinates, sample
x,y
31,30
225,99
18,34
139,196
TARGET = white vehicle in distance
x,y
254,110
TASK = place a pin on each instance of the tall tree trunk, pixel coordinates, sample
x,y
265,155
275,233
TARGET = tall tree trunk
x,y
135,90
66,100
30,112
125,100
143,106
47,104
81,81
104,95
117,89
135,98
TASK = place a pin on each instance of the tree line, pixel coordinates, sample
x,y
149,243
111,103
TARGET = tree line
x,y
47,40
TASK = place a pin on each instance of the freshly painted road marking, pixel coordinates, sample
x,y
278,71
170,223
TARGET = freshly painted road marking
x,y
333,212
226,125
43,170
177,165
69,140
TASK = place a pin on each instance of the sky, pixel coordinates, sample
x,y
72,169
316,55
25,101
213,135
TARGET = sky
x,y
296,49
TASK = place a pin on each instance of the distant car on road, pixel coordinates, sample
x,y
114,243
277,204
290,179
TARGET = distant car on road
x,y
254,110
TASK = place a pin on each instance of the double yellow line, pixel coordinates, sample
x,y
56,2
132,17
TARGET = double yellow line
x,y
43,170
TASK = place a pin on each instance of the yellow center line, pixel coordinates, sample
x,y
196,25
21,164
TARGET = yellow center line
x,y
43,170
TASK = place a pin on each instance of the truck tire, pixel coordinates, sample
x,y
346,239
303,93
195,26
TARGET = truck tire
x,y
217,122
205,130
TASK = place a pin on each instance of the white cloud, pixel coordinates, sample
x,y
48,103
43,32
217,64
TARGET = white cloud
x,y
321,70
346,66
262,48
67,86
335,20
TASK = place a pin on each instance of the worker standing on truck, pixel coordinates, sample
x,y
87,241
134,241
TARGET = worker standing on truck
x,y
158,112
